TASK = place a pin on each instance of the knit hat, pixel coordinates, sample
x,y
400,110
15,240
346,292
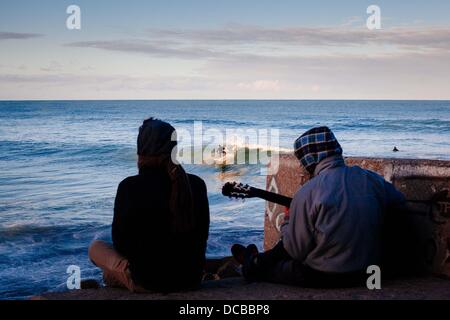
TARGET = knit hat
x,y
315,145
155,138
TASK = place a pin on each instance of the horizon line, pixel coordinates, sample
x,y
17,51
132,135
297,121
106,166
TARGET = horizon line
x,y
216,99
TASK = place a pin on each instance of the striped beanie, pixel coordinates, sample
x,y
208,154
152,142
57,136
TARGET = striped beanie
x,y
315,145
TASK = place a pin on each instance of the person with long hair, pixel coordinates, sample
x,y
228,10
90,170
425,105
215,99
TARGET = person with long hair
x,y
161,221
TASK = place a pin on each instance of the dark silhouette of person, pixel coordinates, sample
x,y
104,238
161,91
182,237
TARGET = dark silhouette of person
x,y
161,221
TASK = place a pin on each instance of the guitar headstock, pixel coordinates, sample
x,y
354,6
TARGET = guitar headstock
x,y
237,190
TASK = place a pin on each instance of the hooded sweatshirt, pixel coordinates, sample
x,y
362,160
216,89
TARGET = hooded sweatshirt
x,y
335,219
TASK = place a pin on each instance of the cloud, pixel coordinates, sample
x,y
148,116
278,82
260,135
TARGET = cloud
x,y
18,36
431,37
259,62
355,20
260,85
53,66
315,88
149,48
355,76
254,41
109,82
333,67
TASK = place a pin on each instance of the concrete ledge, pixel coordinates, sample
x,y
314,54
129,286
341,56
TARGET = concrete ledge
x,y
238,289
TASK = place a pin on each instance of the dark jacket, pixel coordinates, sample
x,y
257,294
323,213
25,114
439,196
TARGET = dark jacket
x,y
335,219
159,260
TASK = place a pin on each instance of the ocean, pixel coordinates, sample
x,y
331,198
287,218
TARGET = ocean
x,y
61,162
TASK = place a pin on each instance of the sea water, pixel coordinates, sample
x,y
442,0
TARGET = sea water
x,y
61,162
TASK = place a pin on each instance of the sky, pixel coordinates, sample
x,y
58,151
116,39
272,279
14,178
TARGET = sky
x,y
224,49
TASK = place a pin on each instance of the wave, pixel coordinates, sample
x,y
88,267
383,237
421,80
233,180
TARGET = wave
x,y
229,154
61,163
217,122
380,125
26,231
16,150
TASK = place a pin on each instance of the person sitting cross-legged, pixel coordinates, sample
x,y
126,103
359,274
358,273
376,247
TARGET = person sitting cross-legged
x,y
161,221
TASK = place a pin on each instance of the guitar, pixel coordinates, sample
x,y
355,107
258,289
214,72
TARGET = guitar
x,y
241,191
401,234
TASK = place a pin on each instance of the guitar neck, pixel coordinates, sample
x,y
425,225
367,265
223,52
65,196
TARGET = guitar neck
x,y
271,197
251,192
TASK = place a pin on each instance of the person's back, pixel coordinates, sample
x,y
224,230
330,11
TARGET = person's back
x,y
332,231
141,232
344,207
161,221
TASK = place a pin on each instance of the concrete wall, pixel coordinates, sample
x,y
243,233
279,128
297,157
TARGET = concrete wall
x,y
417,179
